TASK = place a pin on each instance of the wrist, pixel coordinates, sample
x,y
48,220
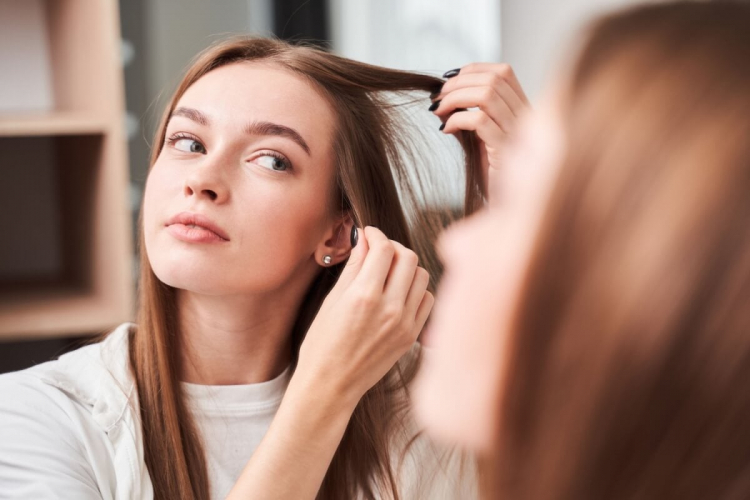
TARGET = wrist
x,y
322,391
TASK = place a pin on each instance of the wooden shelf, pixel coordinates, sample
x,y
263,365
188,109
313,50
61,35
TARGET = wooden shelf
x,y
61,123
52,311
66,252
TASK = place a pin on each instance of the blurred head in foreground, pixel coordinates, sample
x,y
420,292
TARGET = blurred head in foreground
x,y
592,339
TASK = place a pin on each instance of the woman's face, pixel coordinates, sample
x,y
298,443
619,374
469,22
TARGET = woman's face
x,y
248,153
485,258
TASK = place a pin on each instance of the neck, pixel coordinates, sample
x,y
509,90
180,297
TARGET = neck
x,y
230,340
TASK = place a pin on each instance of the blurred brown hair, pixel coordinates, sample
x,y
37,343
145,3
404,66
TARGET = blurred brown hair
x,y
629,362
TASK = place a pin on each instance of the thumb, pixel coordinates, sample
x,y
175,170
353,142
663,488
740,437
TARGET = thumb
x,y
356,257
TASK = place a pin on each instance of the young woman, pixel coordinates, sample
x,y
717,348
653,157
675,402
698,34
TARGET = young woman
x,y
592,337
249,374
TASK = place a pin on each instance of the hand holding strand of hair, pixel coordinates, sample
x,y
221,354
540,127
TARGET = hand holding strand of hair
x,y
496,93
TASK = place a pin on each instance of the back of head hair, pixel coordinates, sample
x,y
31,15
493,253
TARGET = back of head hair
x,y
630,352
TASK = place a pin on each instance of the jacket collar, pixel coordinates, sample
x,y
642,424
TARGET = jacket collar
x,y
98,376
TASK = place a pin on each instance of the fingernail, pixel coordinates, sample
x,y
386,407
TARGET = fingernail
x,y
434,95
451,73
434,105
442,127
354,236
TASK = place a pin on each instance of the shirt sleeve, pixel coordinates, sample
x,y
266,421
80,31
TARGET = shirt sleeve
x,y
41,454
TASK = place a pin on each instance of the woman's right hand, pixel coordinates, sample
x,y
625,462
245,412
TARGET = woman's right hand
x,y
371,317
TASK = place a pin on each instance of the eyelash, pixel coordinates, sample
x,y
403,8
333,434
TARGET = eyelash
x,y
278,156
183,135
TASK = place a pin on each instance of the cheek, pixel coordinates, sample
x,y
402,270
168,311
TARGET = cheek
x,y
458,388
166,258
154,206
279,231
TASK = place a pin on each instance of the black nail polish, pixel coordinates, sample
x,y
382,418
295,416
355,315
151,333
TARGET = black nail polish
x,y
434,95
442,127
354,236
451,73
434,105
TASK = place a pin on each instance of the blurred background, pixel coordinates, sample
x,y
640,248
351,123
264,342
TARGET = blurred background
x,y
82,85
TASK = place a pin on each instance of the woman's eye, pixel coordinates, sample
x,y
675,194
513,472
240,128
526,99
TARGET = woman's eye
x,y
272,162
189,146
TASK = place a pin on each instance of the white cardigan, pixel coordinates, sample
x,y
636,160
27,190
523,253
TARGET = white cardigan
x,y
68,429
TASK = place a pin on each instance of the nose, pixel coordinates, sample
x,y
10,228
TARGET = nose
x,y
204,182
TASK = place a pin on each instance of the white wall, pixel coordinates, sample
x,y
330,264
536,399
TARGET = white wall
x,y
423,35
177,30
535,33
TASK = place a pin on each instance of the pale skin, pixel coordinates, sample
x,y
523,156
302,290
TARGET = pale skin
x,y
485,259
237,295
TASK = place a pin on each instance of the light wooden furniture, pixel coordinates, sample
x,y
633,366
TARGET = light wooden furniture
x,y
65,232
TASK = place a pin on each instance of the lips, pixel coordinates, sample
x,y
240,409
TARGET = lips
x,y
196,227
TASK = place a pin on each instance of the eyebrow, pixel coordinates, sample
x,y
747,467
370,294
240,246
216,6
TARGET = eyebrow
x,y
252,128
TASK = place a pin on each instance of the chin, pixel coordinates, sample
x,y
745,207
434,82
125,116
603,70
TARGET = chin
x,y
188,272
198,281
446,419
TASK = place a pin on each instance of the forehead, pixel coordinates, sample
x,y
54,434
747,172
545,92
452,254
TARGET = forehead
x,y
239,92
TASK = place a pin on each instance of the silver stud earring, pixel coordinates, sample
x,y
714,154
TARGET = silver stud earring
x,y
327,260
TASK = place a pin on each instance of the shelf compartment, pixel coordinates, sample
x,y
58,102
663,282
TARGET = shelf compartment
x,y
64,253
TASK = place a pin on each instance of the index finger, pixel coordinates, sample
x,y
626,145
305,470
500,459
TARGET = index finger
x,y
378,260
503,70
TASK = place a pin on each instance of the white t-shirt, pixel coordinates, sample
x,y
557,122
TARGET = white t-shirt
x,y
69,428
233,419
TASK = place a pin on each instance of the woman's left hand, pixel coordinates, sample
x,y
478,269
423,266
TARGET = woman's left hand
x,y
494,89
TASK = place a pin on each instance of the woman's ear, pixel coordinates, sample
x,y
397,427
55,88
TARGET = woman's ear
x,y
336,242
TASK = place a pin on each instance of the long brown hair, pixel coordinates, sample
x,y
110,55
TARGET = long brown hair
x,y
380,184
629,360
